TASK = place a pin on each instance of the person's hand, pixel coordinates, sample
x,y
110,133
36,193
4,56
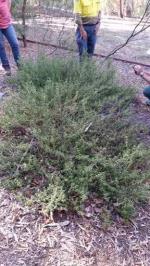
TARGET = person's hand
x,y
138,69
83,34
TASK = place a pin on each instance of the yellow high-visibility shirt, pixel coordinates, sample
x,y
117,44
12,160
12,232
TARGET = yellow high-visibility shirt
x,y
87,8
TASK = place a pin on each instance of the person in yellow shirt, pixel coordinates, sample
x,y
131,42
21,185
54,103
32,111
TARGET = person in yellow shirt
x,y
87,17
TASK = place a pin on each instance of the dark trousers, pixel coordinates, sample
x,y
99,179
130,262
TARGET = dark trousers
x,y
146,92
86,46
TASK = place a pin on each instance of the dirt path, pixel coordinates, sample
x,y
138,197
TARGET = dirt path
x,y
25,238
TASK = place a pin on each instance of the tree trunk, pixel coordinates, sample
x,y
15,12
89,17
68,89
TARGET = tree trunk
x,y
24,22
121,8
129,8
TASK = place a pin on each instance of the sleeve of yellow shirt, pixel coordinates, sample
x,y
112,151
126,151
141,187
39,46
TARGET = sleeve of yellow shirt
x,y
77,7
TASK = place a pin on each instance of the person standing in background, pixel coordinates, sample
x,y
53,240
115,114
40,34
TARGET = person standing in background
x,y
7,30
87,18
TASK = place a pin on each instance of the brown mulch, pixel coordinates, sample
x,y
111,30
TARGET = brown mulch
x,y
29,238
26,238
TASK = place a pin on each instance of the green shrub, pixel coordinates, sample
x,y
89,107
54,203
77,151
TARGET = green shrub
x,y
69,126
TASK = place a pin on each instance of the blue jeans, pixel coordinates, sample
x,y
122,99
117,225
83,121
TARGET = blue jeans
x,y
11,37
146,92
86,46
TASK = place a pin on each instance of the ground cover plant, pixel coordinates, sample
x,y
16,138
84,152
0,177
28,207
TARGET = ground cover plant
x,y
66,134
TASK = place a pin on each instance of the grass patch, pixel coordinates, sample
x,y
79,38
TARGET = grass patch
x,y
67,134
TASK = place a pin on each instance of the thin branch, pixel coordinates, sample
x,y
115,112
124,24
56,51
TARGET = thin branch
x,y
133,33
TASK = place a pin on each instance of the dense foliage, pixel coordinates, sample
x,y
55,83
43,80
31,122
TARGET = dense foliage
x,y
67,134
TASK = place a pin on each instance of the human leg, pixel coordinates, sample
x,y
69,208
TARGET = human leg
x,y
3,55
11,36
82,44
91,42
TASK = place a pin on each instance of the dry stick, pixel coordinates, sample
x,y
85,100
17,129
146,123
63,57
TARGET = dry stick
x,y
96,55
133,34
146,21
59,36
